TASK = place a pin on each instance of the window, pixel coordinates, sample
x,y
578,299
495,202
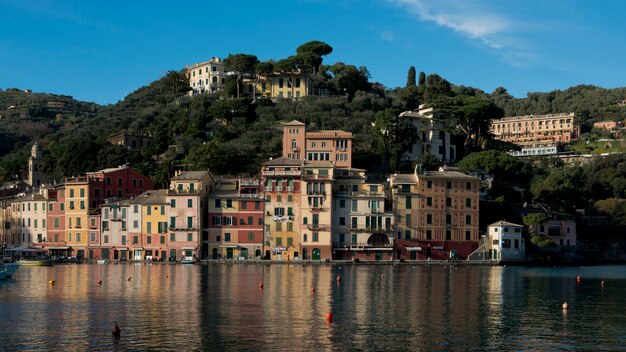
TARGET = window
x,y
448,219
250,220
315,237
304,238
173,203
468,219
229,203
218,203
468,235
189,222
106,237
448,235
407,234
354,205
189,237
257,205
406,188
449,185
342,220
148,239
189,203
148,210
148,227
172,237
468,185
408,220
429,184
289,241
429,201
227,237
135,239
136,209
408,202
244,204
448,202
250,236
71,193
82,192
468,202
279,226
429,234
342,203
429,218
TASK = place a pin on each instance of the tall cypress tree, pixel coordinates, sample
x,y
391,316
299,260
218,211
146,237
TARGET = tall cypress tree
x,y
410,81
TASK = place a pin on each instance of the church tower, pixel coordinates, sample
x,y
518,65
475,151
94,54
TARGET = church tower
x,y
35,163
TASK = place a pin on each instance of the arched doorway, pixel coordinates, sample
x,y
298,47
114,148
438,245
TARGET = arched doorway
x,y
204,250
378,240
305,254
229,253
244,253
316,254
257,254
105,254
214,254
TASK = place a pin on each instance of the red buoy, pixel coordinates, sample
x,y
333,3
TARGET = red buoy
x,y
99,282
313,289
578,279
329,317
261,284
116,331
338,278
602,283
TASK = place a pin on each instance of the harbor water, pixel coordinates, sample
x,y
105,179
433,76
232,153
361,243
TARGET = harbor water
x,y
221,307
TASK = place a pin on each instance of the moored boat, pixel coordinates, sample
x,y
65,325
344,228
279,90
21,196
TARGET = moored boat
x,y
8,268
35,262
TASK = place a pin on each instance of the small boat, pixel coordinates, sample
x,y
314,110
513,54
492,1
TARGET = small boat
x,y
35,262
8,268
188,260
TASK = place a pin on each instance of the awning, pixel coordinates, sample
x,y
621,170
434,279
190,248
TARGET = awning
x,y
222,246
122,249
379,249
414,249
193,248
58,248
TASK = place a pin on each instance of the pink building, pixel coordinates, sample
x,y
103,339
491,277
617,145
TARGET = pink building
x,y
561,228
327,146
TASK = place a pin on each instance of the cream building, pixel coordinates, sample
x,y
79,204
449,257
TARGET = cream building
x,y
206,77
533,130
362,219
324,147
432,136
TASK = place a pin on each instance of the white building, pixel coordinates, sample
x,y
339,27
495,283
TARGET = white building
x,y
432,136
505,242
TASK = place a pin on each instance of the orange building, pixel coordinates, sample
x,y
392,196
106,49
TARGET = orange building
x,y
536,129
328,146
435,210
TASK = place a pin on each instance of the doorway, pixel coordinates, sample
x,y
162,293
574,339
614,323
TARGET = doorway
x,y
316,254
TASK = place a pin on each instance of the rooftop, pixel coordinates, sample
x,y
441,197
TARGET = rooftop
x,y
190,175
150,197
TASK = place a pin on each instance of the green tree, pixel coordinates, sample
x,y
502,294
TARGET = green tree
x,y
532,221
410,81
240,64
349,79
394,135
474,121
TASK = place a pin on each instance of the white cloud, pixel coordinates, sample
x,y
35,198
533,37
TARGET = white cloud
x,y
502,35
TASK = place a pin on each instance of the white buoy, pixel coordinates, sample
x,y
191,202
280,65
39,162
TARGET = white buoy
x,y
565,305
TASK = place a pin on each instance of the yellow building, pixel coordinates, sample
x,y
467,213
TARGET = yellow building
x,y
532,130
77,215
278,85
281,182
206,77
154,210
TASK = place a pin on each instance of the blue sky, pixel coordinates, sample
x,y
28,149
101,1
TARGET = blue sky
x,y
103,50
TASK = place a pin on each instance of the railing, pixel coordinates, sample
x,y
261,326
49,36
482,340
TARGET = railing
x,y
317,227
182,191
280,173
183,228
316,177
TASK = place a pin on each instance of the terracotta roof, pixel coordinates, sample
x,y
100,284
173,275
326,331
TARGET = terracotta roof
x,y
282,161
505,223
190,175
150,197
294,123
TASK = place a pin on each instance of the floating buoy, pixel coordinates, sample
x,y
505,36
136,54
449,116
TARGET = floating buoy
x,y
578,279
261,284
338,278
565,305
129,278
313,289
51,282
167,276
329,317
116,331
99,282
382,276
602,283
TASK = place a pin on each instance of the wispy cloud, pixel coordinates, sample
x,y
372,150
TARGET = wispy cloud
x,y
476,20
387,36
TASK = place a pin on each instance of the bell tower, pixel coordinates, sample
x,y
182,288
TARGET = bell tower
x,y
35,162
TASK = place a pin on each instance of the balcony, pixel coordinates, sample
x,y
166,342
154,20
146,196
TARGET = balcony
x,y
312,177
182,191
318,227
280,173
182,228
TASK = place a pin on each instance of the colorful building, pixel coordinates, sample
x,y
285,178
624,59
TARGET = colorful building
x,y
188,210
433,136
236,216
438,208
281,183
316,209
153,241
505,242
536,130
324,147
111,225
363,223
206,77
57,244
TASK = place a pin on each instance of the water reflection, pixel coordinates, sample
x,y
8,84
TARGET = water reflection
x,y
221,307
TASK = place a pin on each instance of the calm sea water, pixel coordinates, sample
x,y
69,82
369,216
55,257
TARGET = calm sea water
x,y
375,308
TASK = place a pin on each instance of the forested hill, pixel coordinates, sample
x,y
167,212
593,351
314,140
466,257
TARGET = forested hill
x,y
235,135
